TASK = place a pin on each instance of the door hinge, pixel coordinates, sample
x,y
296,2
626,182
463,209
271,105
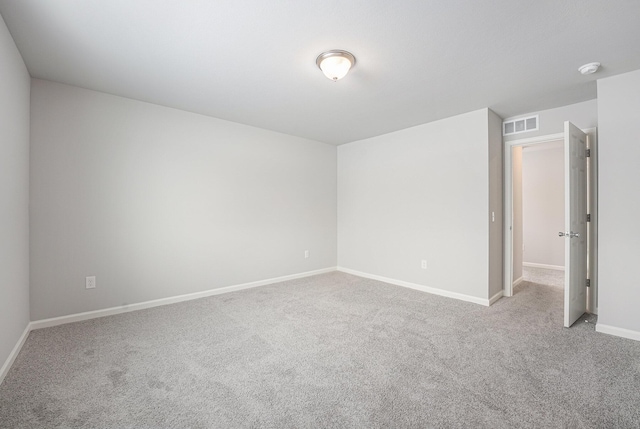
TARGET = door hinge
x,y
588,217
588,153
588,282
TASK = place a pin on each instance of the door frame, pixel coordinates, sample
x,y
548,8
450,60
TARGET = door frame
x,y
592,201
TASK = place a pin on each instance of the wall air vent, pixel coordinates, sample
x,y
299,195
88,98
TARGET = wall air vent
x,y
521,125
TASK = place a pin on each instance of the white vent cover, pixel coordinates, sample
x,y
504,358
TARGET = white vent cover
x,y
521,125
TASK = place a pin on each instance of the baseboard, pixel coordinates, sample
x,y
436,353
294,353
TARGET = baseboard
x,y
495,297
517,281
546,266
618,332
55,321
14,353
428,289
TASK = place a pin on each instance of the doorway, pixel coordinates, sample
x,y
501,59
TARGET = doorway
x,y
538,213
513,245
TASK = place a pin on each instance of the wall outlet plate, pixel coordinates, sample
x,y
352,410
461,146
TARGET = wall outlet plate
x,y
90,282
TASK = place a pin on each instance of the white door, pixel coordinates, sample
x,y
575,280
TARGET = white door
x,y
575,233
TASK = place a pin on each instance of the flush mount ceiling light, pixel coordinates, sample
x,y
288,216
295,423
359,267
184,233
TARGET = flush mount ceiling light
x,y
335,64
589,68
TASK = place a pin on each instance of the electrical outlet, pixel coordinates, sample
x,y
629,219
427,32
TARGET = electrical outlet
x,y
90,282
306,254
424,264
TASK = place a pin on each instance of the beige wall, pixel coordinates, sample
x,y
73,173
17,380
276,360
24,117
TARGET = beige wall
x,y
14,195
420,193
543,204
584,115
619,205
516,162
496,225
157,202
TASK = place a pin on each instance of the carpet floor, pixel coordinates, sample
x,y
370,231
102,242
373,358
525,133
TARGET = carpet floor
x,y
328,351
543,276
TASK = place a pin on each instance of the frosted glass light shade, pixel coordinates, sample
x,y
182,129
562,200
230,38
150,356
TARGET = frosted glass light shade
x,y
335,64
335,67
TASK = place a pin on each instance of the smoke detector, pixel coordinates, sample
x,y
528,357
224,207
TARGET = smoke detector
x,y
589,68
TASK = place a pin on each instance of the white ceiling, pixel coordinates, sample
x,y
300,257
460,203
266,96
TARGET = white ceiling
x,y
253,61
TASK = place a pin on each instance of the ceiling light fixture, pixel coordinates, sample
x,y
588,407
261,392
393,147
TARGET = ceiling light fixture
x,y
589,68
335,64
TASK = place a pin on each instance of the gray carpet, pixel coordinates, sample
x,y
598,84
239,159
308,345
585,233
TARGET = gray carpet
x,y
543,276
328,351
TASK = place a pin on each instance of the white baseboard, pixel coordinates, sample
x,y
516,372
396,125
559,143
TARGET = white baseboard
x,y
548,267
428,289
618,332
517,281
55,321
495,297
14,353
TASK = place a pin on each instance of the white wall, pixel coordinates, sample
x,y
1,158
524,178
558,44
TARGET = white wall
x,y
158,202
496,228
584,115
419,193
619,202
14,195
543,204
516,178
